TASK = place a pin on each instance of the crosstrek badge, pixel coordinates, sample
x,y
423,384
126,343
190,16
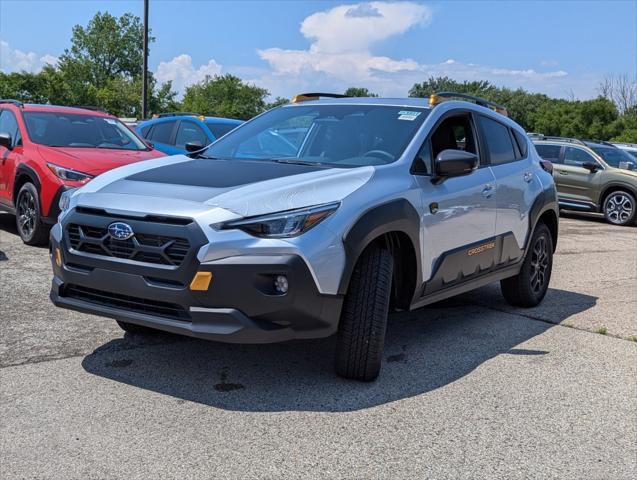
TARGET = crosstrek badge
x,y
408,115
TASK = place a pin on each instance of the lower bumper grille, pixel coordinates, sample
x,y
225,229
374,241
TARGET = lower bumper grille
x,y
126,302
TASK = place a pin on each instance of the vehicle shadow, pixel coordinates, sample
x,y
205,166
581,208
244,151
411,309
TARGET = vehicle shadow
x,y
425,349
8,226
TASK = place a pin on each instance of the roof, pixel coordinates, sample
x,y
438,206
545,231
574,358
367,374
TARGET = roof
x,y
33,107
399,102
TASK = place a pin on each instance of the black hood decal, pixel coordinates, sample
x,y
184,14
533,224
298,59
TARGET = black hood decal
x,y
220,173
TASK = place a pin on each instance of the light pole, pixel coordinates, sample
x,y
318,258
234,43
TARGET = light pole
x,y
145,72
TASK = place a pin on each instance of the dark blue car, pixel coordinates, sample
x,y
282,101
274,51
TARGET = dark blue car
x,y
171,132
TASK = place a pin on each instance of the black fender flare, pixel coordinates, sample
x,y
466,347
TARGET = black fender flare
x,y
545,201
394,216
25,170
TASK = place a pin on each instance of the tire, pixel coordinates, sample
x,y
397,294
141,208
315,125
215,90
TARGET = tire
x,y
361,335
135,329
620,208
528,288
28,217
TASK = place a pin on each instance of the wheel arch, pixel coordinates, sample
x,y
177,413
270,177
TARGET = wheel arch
x,y
23,175
614,187
394,225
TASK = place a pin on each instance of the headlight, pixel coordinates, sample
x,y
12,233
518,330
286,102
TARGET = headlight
x,y
284,224
68,174
65,200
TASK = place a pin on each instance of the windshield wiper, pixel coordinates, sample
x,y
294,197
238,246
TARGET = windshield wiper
x,y
296,161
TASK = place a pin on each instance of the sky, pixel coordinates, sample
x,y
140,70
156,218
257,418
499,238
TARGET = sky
x,y
561,48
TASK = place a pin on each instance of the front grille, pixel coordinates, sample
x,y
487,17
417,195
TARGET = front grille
x,y
142,247
126,302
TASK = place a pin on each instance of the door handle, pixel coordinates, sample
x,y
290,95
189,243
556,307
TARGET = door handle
x,y
487,191
563,172
528,176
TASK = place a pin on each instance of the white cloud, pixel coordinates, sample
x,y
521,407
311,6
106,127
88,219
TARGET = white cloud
x,y
14,60
340,55
181,71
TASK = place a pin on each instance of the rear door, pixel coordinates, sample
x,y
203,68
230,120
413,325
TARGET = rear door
x,y
517,186
162,136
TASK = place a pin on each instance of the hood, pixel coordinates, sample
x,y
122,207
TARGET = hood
x,y
94,161
245,188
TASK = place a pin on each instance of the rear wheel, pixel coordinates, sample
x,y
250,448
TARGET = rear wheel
x,y
620,208
527,288
28,216
135,329
361,335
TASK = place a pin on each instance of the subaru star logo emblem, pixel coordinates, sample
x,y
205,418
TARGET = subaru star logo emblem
x,y
120,230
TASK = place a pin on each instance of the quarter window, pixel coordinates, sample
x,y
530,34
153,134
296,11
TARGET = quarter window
x,y
162,132
498,141
522,141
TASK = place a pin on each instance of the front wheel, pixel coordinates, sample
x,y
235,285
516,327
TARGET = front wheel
x,y
619,208
28,217
527,288
361,335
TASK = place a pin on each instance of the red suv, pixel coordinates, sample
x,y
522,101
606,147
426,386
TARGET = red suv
x,y
46,149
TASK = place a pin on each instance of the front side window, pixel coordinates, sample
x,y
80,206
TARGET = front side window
x,y
56,129
220,129
9,124
336,135
616,157
549,152
577,157
189,132
498,141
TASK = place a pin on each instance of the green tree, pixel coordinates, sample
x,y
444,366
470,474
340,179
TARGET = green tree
x,y
225,96
359,92
277,102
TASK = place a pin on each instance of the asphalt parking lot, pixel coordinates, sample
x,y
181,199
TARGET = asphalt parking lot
x,y
470,388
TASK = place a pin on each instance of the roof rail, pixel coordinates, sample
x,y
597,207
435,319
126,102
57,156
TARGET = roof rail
x,y
17,103
93,108
439,97
601,142
306,97
176,114
541,136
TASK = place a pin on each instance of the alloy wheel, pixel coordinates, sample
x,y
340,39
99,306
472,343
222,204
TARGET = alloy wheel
x,y
539,264
27,214
619,208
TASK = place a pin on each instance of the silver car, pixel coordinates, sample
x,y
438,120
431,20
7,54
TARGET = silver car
x,y
315,218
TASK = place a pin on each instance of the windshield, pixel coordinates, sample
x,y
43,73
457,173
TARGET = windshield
x,y
57,129
616,157
335,135
632,153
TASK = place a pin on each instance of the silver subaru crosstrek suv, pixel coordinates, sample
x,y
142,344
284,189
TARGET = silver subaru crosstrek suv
x,y
315,218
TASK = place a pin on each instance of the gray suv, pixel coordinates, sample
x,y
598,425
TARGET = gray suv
x,y
312,219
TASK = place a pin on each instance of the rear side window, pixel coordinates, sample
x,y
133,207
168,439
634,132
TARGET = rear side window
x,y
189,132
498,139
162,132
522,141
220,129
549,152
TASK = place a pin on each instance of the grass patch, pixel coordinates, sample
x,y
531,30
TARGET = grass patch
x,y
602,331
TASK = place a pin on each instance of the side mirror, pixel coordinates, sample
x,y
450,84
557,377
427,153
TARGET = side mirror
x,y
591,166
454,163
193,146
5,140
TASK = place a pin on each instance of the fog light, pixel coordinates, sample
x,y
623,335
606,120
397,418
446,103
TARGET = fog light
x,y
281,284
58,257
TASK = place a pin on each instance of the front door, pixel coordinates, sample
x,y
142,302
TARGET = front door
x,y
574,182
458,223
9,157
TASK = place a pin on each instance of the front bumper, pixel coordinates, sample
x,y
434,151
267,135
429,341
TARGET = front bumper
x,y
240,305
